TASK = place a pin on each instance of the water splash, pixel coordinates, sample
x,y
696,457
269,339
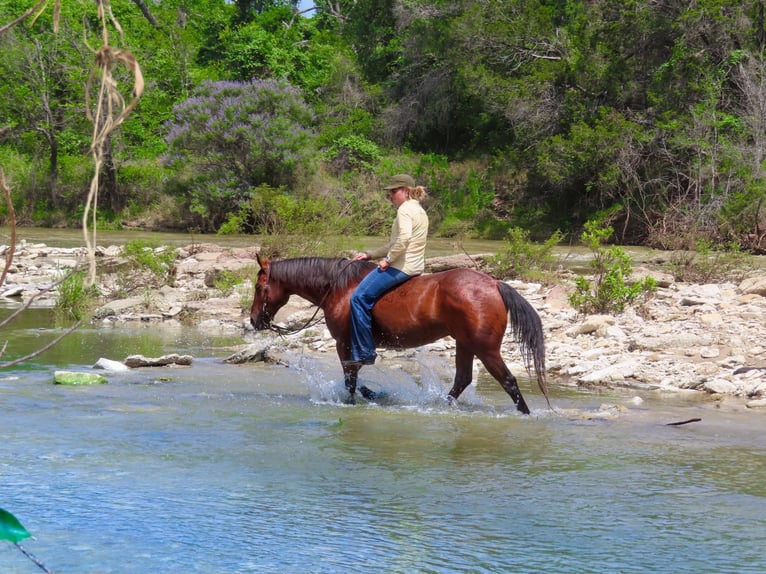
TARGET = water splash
x,y
418,381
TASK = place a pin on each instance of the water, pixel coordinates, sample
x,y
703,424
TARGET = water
x,y
259,468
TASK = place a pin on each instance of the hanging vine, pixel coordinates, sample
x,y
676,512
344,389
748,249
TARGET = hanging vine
x,y
107,112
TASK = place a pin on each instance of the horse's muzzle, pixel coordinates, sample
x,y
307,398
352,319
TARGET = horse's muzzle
x,y
261,321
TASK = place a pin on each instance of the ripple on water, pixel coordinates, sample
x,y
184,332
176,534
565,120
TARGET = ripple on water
x,y
261,469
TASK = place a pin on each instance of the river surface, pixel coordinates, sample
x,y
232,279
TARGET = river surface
x,y
218,468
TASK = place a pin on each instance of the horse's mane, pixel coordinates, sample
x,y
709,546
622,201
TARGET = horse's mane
x,y
320,273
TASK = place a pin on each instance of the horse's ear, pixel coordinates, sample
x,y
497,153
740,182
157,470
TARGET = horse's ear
x,y
262,261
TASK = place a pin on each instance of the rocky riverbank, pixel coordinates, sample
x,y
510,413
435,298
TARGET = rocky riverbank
x,y
687,338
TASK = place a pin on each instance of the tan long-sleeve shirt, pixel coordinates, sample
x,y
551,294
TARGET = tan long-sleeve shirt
x,y
407,246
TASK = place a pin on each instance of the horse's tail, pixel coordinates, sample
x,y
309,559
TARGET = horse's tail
x,y
528,331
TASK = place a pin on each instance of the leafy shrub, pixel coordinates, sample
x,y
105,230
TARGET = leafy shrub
x,y
158,261
74,298
352,152
225,281
708,264
609,292
232,137
140,183
521,258
452,226
18,172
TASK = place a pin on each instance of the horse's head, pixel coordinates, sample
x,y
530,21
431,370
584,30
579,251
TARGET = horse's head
x,y
269,298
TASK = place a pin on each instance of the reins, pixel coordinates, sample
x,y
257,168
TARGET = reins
x,y
313,320
284,331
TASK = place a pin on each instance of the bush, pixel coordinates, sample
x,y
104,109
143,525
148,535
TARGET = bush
x,y
609,292
352,153
522,259
708,264
159,261
74,298
232,137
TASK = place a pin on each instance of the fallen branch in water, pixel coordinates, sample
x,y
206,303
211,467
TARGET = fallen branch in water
x,y
686,422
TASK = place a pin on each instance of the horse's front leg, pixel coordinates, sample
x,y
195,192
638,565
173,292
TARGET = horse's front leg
x,y
350,374
349,378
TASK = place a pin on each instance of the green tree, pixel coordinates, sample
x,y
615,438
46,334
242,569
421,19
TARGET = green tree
x,y
277,44
232,137
44,74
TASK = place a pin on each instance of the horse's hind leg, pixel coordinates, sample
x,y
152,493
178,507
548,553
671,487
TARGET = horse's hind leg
x,y
498,369
463,371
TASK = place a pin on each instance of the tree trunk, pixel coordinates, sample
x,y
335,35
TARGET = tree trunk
x,y
145,11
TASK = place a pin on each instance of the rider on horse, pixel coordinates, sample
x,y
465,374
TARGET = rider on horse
x,y
402,258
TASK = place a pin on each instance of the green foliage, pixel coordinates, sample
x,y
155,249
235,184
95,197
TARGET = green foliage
x,y
13,531
272,210
18,171
709,263
291,225
453,226
371,28
744,213
520,258
226,281
232,137
237,281
74,299
352,153
266,48
142,181
653,106
589,157
610,290
147,256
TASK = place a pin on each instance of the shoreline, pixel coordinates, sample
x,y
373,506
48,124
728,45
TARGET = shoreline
x,y
706,338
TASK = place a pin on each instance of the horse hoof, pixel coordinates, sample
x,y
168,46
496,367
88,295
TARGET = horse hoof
x,y
350,400
368,394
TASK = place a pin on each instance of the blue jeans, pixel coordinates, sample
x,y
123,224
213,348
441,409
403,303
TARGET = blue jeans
x,y
367,293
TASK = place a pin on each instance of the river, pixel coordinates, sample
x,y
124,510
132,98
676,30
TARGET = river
x,y
219,468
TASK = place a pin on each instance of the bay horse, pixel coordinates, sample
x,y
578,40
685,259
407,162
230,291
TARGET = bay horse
x,y
467,305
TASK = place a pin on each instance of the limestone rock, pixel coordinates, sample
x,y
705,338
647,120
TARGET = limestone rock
x,y
254,353
754,285
135,361
110,365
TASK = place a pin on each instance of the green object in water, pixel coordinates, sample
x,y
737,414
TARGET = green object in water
x,y
74,378
10,528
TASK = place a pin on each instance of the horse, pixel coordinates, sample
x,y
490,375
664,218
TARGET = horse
x,y
470,306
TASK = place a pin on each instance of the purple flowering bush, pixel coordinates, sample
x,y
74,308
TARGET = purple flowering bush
x,y
232,137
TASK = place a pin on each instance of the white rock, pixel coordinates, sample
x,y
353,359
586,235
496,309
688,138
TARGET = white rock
x,y
709,352
720,386
110,365
755,285
618,372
